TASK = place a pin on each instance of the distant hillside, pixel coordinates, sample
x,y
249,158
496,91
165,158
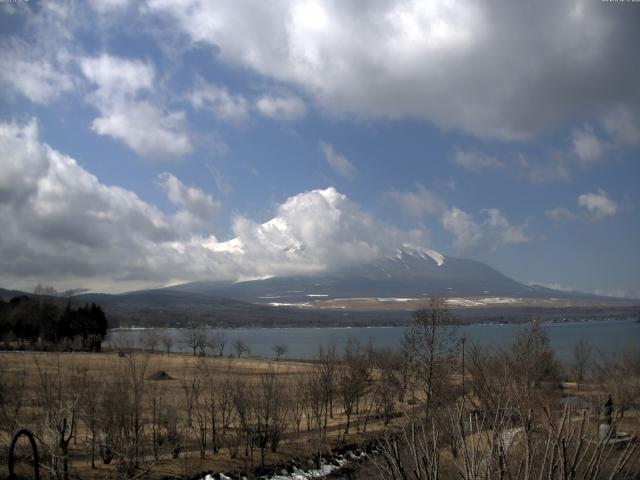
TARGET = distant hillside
x,y
9,294
382,292
410,273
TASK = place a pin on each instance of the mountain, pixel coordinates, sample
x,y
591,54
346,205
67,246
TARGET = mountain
x,y
9,294
410,273
381,292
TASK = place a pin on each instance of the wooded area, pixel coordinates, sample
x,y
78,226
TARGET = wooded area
x,y
44,321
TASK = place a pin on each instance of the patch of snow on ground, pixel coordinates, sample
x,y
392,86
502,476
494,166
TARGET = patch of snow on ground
x,y
463,302
387,300
298,474
278,304
479,302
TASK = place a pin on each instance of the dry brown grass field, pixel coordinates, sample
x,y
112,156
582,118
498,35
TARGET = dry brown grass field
x,y
72,372
515,412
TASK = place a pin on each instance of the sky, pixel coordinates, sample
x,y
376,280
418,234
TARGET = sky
x,y
148,143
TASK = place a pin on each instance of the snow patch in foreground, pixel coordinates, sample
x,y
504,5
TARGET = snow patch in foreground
x,y
298,474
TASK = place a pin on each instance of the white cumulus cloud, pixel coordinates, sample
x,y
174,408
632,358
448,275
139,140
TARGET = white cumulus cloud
x,y
225,105
197,209
127,115
285,108
474,161
337,161
490,233
588,148
466,231
598,205
623,126
482,67
61,225
418,203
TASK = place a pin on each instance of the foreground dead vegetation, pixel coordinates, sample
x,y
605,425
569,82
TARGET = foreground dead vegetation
x,y
437,407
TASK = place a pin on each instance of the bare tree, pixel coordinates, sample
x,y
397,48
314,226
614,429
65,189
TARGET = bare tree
x,y
150,340
225,399
386,384
190,385
433,341
581,359
297,399
59,400
353,380
317,405
136,367
167,342
159,413
240,347
12,400
195,337
269,413
217,342
327,367
619,376
211,395
89,409
279,350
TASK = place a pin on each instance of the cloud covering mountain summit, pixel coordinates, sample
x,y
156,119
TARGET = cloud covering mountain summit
x,y
62,225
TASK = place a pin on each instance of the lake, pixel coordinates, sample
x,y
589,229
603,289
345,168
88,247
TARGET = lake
x,y
608,336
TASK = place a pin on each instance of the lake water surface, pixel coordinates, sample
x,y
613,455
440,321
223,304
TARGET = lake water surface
x,y
610,336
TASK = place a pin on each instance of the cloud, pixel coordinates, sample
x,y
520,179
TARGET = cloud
x,y
553,286
466,231
587,147
556,169
197,209
507,233
235,108
313,231
632,292
475,161
39,80
226,106
622,125
338,162
560,214
494,231
598,205
221,182
146,129
36,64
436,61
286,108
61,225
127,115
418,203
117,78
107,6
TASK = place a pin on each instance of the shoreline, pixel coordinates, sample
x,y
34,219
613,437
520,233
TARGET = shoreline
x,y
609,319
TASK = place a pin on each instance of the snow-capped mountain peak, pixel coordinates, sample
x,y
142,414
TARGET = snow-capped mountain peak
x,y
423,253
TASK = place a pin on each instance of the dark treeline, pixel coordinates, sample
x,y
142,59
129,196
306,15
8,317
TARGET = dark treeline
x,y
46,322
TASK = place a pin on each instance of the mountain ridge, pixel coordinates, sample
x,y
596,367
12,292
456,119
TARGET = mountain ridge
x,y
410,272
